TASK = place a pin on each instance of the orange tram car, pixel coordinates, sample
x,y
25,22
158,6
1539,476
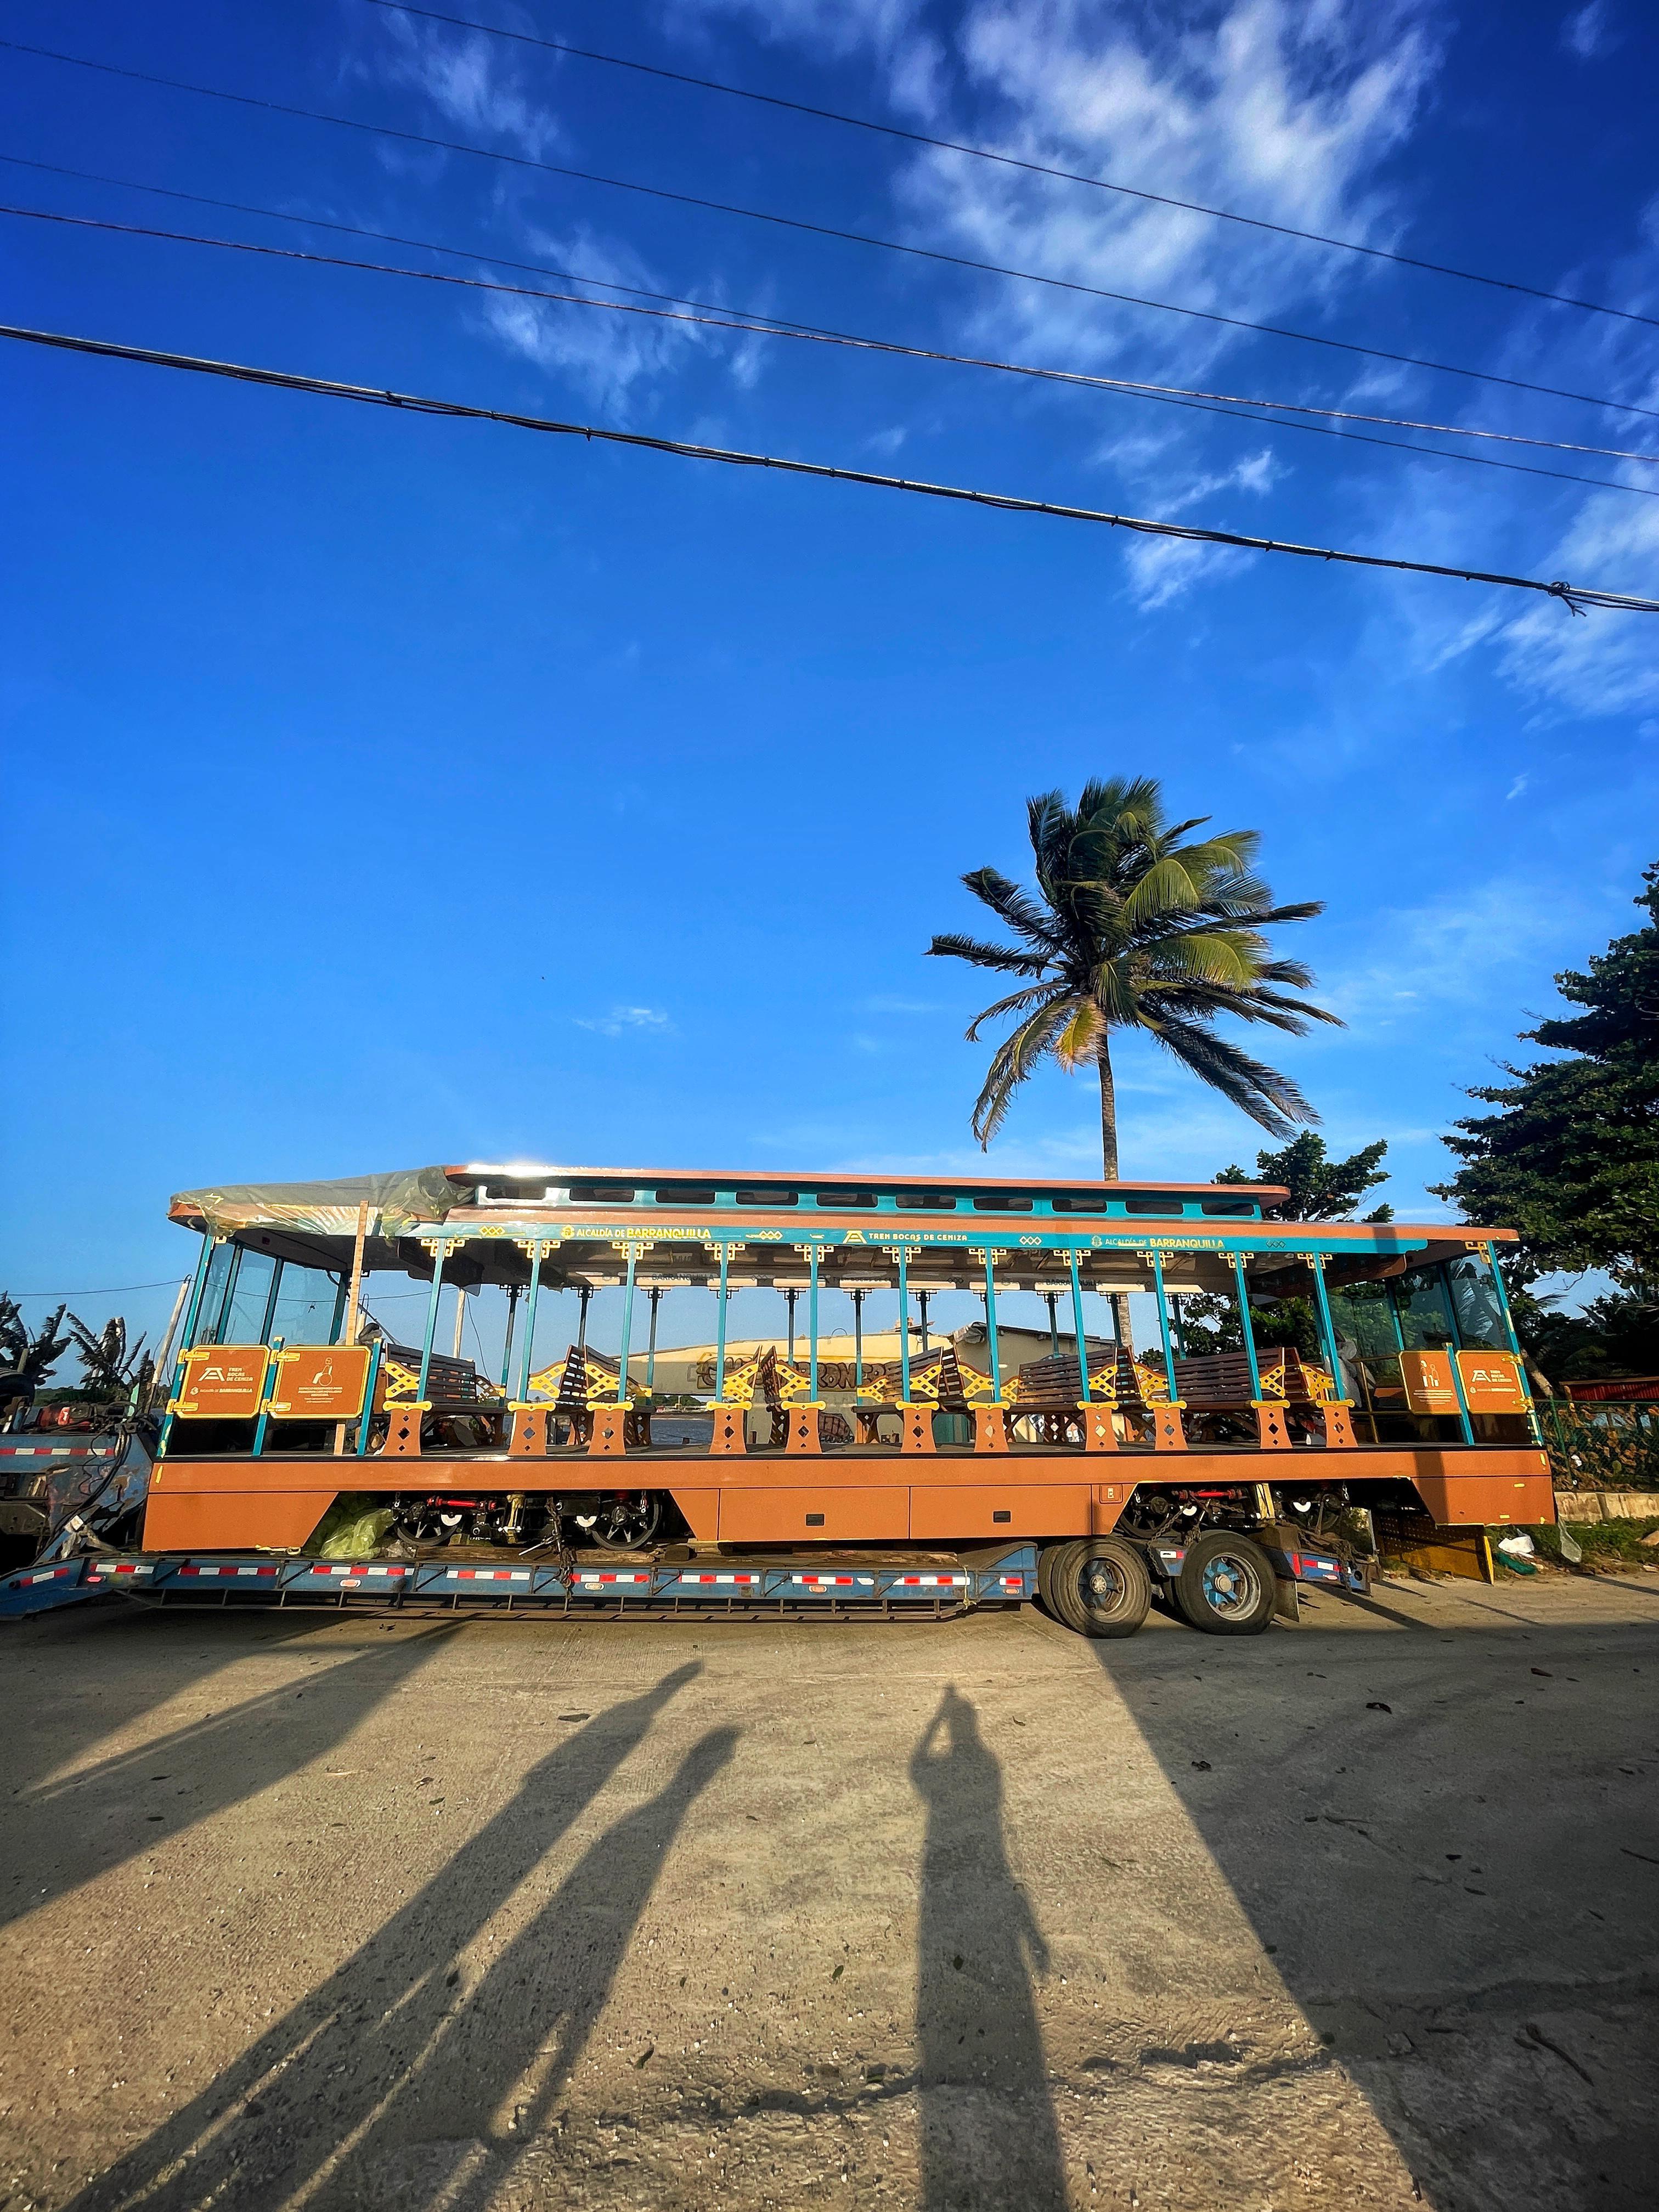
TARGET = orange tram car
x,y
1208,1465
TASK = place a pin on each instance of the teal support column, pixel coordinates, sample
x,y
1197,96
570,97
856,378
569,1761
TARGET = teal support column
x,y
1327,1326
1051,1299
339,1312
1245,1322
270,1314
1452,1350
1163,1330
1502,1296
272,1369
1077,1324
813,1323
858,1342
904,1324
720,1296
440,1253
1393,1305
991,1319
627,1326
922,1298
372,1378
186,1338
527,1357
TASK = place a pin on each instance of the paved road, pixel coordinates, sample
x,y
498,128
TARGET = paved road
x,y
512,1914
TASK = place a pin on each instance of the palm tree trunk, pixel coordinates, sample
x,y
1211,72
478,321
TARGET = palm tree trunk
x,y
1107,1114
1120,1328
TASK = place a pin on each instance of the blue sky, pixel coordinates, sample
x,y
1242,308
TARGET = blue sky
x,y
383,790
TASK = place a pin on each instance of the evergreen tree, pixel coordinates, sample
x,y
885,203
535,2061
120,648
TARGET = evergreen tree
x,y
1322,1189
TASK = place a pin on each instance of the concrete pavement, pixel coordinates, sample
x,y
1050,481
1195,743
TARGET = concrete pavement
x,y
491,1913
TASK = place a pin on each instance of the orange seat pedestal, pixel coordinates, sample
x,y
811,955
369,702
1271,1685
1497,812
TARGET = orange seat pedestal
x,y
990,1429
608,1440
916,1426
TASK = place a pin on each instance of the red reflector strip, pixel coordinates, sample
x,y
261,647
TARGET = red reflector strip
x,y
613,1578
190,1568
488,1574
1013,1582
837,1582
719,1578
122,1567
49,1574
322,1567
936,1582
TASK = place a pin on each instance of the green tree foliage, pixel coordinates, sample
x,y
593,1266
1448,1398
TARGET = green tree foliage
x,y
1571,1160
1572,1157
1322,1189
1131,927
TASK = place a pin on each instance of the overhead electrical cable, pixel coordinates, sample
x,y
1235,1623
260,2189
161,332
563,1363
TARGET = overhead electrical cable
x,y
1231,407
812,229
1576,598
1007,160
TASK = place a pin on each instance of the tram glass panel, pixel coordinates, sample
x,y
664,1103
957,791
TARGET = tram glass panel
x,y
1077,1205
1000,1202
840,1200
1479,1318
685,1194
1359,1314
307,1300
1237,1206
758,1195
1160,1209
927,1201
1420,1300
244,1320
214,1290
602,1194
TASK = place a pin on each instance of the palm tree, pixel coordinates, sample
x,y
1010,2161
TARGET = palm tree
x,y
1130,928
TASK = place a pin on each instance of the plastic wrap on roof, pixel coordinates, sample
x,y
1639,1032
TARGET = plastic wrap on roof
x,y
398,1203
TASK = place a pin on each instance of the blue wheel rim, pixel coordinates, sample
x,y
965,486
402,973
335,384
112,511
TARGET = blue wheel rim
x,y
1230,1584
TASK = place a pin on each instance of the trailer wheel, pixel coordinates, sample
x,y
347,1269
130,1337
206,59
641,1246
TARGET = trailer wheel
x,y
1099,1587
1226,1586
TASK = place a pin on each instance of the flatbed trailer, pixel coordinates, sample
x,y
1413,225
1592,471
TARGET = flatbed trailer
x,y
1221,1476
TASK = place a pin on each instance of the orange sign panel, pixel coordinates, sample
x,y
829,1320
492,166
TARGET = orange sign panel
x,y
1493,1382
1427,1376
222,1381
321,1382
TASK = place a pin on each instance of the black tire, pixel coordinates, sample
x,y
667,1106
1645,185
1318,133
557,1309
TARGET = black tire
x,y
1099,1587
1046,1559
1225,1587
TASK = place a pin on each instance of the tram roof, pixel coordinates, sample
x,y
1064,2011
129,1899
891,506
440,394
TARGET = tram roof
x,y
315,1223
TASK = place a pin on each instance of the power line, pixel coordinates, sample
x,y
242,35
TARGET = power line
x,y
1574,597
108,1291
1228,406
812,229
792,325
1007,160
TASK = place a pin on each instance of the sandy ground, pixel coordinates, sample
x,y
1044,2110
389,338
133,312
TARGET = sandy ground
x,y
512,1914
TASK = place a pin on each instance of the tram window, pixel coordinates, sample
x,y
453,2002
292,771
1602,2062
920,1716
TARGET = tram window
x,y
685,1194
609,1193
844,1198
932,1201
1167,1208
1246,1205
756,1196
1077,1205
1001,1203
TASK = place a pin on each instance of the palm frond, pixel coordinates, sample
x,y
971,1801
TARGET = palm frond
x,y
1024,914
1081,1038
1007,958
1014,1004
1270,1098
1012,1063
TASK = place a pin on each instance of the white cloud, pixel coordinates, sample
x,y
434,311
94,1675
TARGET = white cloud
x,y
1605,663
1517,786
1160,568
890,29
1587,32
625,1021
1277,111
1449,952
472,82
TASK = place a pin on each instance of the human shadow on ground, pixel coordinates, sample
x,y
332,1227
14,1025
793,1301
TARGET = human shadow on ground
x,y
1439,1837
70,1831
988,2134
76,1678
394,2050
